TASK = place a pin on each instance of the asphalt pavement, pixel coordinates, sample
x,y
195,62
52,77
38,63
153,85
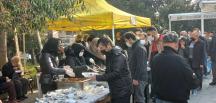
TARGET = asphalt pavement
x,y
207,94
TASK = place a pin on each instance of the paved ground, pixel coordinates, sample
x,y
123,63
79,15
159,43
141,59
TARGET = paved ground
x,y
31,97
207,95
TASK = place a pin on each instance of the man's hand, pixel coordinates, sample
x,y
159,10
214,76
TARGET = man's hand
x,y
194,76
15,68
92,61
93,78
135,82
69,72
88,68
201,66
67,67
8,79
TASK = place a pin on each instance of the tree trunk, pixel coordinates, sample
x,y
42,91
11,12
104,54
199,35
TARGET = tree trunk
x,y
33,56
39,40
3,48
24,51
17,49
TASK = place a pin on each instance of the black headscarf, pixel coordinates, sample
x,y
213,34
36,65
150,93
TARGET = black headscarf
x,y
76,47
69,51
51,46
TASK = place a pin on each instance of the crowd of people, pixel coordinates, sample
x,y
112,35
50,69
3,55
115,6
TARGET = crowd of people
x,y
172,65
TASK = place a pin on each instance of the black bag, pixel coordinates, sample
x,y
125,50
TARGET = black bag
x,y
46,79
195,83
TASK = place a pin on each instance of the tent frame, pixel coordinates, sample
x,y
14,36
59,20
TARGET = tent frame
x,y
113,33
100,15
191,16
195,16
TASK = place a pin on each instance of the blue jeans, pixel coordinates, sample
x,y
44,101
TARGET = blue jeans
x,y
139,96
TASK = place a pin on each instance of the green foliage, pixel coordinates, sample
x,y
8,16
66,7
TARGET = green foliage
x,y
30,15
30,71
137,7
5,17
177,6
42,10
31,42
148,8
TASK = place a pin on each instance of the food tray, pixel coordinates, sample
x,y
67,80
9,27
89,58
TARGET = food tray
x,y
76,80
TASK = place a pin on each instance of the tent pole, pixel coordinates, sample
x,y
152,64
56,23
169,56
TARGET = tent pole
x,y
170,28
113,34
202,24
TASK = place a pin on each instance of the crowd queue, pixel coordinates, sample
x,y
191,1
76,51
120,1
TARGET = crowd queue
x,y
171,65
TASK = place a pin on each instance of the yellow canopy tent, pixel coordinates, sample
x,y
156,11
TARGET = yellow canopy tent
x,y
99,15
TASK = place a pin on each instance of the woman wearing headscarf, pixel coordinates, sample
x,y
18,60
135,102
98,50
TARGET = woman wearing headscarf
x,y
48,65
75,59
92,52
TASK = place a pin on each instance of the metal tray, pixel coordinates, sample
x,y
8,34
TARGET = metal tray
x,y
76,80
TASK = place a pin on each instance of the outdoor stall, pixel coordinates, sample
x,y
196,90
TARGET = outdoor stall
x,y
99,15
78,90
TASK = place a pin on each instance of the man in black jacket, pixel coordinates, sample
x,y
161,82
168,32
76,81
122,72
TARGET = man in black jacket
x,y
138,66
197,55
171,75
212,53
117,72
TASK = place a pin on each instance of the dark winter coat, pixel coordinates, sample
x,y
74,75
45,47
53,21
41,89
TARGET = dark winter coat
x,y
212,48
47,60
184,53
199,51
138,62
117,73
8,71
74,61
88,55
77,64
48,65
172,77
